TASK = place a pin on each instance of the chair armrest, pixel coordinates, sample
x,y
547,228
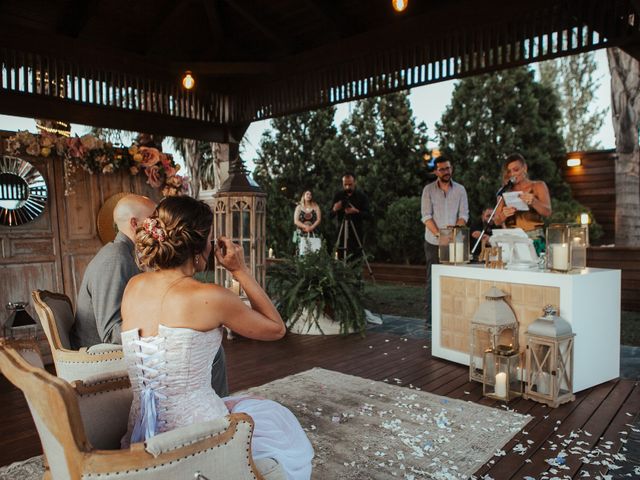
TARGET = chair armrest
x,y
103,348
182,437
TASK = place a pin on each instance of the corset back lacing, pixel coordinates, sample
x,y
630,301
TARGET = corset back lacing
x,y
151,360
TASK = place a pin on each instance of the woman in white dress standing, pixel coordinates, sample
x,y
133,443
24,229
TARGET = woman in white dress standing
x,y
172,329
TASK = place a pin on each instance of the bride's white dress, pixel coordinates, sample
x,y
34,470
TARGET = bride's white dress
x,y
171,381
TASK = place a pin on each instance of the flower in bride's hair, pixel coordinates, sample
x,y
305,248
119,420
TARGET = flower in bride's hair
x,y
152,228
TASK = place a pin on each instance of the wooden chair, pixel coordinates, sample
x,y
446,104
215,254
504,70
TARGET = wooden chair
x,y
56,316
80,426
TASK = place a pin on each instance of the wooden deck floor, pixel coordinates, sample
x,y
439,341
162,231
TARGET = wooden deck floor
x,y
584,428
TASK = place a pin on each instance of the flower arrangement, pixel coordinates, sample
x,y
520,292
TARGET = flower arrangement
x,y
97,156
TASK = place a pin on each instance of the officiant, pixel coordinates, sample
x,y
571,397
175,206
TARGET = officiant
x,y
534,193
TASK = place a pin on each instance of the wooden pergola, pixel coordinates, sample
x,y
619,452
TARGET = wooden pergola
x,y
118,64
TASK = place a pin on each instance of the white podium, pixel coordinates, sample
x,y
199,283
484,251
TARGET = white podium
x,y
589,300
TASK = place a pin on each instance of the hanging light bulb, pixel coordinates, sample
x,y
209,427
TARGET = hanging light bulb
x,y
399,5
188,81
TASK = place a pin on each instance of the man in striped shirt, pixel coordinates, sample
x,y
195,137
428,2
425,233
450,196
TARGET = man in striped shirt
x,y
444,203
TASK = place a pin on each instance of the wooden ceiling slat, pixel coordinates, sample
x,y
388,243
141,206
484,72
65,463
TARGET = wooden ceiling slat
x,y
379,53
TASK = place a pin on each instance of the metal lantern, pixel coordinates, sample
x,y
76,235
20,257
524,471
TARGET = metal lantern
x,y
549,359
501,374
454,245
20,325
239,208
494,327
566,247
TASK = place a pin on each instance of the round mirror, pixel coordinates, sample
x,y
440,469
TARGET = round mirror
x,y
23,192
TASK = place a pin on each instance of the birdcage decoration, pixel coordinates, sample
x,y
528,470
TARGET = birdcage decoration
x,y
494,327
549,359
239,208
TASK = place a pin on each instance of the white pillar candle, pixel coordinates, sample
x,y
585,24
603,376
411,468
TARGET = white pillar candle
x,y
235,287
560,256
501,385
543,383
456,252
270,252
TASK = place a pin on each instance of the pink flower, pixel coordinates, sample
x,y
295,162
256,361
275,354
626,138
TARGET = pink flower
x,y
153,176
75,148
150,156
61,145
169,170
89,142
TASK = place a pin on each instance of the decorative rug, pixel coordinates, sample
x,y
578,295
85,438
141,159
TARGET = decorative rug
x,y
363,429
30,469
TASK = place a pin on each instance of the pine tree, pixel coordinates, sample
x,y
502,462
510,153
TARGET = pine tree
x,y
385,148
493,115
299,152
574,82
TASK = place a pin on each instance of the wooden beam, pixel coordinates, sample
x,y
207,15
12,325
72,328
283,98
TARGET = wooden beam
x,y
74,17
275,37
36,106
225,69
162,24
82,52
336,23
216,26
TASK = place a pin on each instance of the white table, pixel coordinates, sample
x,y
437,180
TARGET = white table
x,y
589,300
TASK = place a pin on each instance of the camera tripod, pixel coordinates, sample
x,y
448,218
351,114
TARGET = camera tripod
x,y
345,226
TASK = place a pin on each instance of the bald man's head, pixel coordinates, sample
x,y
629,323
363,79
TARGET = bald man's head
x,y
130,211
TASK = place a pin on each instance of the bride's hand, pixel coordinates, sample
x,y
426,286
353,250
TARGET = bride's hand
x,y
230,255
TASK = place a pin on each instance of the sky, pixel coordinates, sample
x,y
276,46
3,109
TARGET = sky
x,y
428,103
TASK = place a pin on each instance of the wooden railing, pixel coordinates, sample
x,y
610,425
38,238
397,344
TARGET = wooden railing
x,y
626,259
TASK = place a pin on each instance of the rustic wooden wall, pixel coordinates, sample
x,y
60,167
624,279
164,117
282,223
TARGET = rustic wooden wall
x,y
53,251
593,185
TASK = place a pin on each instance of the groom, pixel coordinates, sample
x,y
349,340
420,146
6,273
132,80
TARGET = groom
x,y
98,318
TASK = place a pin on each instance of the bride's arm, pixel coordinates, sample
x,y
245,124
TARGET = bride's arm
x,y
262,321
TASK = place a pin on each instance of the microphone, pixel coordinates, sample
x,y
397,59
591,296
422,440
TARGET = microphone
x,y
510,183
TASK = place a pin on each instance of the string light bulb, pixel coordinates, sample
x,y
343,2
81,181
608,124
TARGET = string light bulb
x,y
399,5
188,81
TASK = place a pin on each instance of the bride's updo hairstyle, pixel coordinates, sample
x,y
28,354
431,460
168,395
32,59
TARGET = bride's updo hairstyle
x,y
177,230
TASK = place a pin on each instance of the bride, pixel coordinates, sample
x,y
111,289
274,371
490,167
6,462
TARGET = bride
x,y
172,329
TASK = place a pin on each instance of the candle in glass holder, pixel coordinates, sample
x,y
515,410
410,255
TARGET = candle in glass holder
x,y
542,385
456,252
270,252
235,287
560,256
501,385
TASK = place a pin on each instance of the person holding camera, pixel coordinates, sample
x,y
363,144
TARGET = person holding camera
x,y
351,207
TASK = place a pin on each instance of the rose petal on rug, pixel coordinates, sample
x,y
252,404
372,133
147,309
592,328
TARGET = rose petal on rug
x,y
364,429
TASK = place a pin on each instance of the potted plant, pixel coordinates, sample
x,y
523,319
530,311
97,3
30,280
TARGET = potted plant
x,y
317,292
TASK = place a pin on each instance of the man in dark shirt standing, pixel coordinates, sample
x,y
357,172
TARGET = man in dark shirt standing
x,y
352,205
